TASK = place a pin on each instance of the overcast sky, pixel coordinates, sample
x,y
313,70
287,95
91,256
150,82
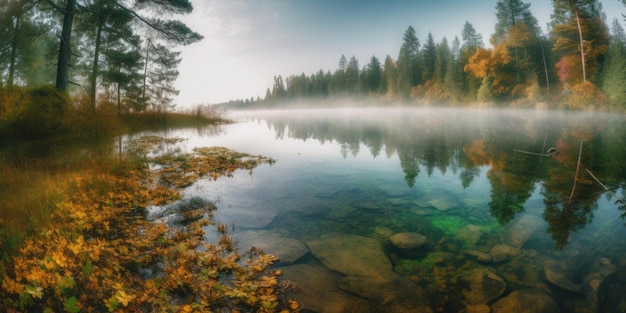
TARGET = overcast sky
x,y
247,42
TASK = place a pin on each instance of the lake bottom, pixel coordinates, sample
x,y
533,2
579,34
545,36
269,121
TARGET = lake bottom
x,y
366,243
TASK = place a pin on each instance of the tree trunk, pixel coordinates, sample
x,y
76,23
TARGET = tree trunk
x,y
13,55
145,74
64,47
119,100
545,67
582,46
94,69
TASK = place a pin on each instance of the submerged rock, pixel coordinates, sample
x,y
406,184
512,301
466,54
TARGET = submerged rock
x,y
403,296
478,256
469,234
444,203
503,252
368,273
526,301
477,308
484,286
519,231
288,250
316,289
397,294
420,211
560,274
352,255
408,240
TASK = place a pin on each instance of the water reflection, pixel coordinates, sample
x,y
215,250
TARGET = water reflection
x,y
520,150
483,197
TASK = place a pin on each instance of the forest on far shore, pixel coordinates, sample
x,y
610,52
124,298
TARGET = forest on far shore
x,y
579,63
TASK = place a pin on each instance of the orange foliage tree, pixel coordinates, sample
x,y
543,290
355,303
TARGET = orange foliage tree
x,y
492,63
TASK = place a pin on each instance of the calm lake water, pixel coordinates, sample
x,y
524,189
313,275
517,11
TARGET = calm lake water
x,y
420,210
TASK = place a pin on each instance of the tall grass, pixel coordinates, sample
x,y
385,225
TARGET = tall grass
x,y
29,193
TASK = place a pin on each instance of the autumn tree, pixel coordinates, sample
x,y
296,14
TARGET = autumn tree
x,y
581,38
518,30
471,41
490,65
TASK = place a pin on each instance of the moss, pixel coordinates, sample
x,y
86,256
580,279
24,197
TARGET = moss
x,y
450,225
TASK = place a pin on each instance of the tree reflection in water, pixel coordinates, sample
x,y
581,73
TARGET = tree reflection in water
x,y
449,140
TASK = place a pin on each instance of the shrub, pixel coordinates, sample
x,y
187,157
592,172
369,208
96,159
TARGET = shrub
x,y
41,113
583,96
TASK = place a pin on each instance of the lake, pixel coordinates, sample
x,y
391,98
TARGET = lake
x,y
430,209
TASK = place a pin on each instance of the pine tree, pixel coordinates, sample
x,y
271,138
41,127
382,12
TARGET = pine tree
x,y
390,77
352,76
172,31
23,43
429,57
162,68
407,65
614,74
373,76
442,61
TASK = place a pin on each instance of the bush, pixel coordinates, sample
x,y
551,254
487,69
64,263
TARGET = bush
x,y
584,96
41,113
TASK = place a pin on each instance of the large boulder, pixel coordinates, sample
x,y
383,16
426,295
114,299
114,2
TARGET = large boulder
x,y
526,301
368,273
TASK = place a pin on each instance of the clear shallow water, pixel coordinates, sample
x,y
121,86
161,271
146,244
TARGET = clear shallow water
x,y
487,217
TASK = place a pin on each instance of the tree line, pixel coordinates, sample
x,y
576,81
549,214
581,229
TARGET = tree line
x,y
120,52
580,62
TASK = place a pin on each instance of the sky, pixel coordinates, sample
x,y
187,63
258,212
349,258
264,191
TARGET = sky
x,y
248,42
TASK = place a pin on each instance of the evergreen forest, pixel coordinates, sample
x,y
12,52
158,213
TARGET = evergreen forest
x,y
578,63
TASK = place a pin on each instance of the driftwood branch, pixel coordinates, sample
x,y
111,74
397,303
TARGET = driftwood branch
x,y
576,174
550,152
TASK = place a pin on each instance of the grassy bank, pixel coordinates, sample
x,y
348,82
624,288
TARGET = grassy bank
x,y
46,138
44,113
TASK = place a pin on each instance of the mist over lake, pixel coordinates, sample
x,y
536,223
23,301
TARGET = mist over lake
x,y
406,210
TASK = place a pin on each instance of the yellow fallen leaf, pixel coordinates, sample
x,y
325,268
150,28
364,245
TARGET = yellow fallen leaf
x,y
123,297
36,292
